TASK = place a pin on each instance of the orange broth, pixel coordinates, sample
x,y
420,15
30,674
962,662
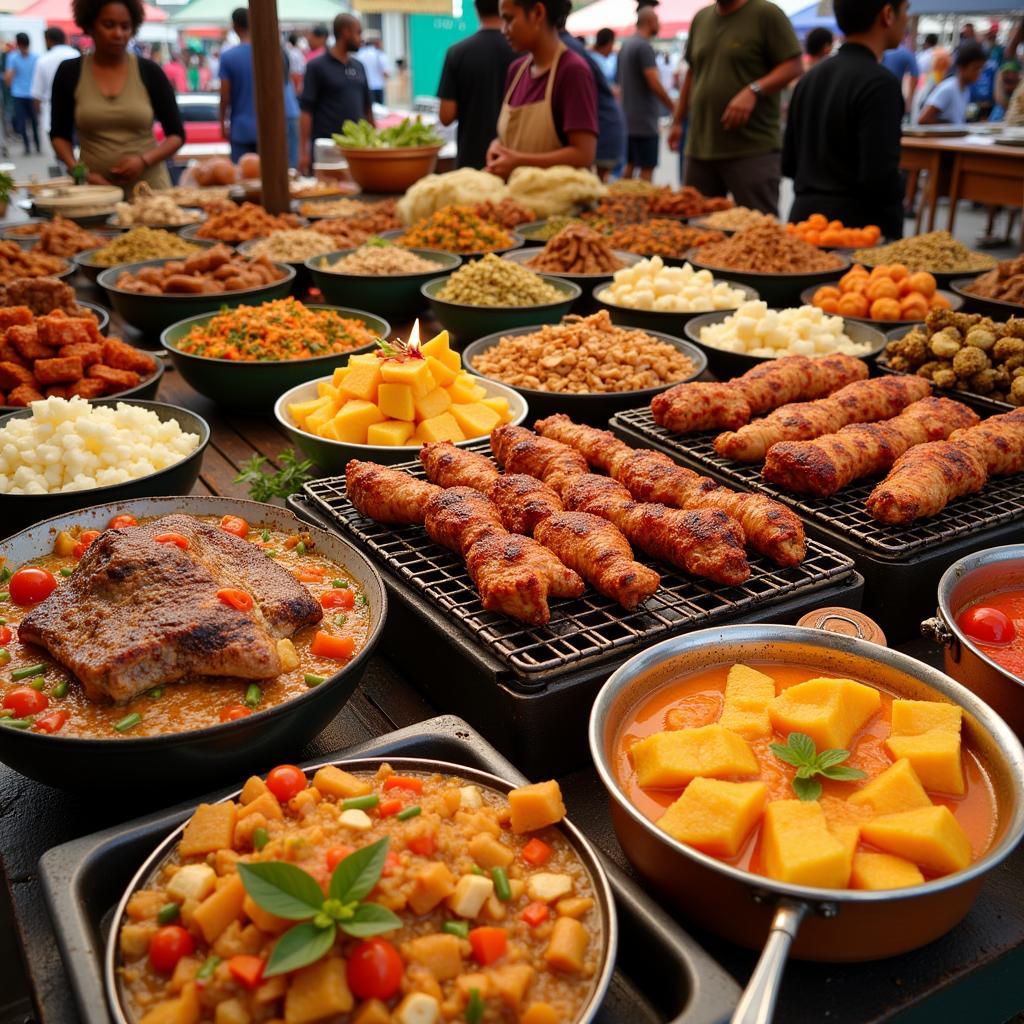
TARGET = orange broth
x,y
697,701
1009,656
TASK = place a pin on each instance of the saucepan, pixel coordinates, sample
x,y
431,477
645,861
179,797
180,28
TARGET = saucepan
x,y
809,923
964,582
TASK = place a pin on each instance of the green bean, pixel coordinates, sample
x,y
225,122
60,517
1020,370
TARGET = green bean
x,y
474,870
210,964
501,887
360,803
260,838
156,693
128,722
16,723
253,695
340,584
460,928
37,683
409,812
66,571
29,670
61,689
168,912
5,574
313,680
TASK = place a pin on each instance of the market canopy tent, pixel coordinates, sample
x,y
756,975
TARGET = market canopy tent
x,y
620,16
810,17
218,12
57,13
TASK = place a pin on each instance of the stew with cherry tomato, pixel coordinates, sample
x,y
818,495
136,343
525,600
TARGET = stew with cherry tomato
x,y
996,625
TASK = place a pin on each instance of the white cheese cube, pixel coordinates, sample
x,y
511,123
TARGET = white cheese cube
x,y
471,893
193,881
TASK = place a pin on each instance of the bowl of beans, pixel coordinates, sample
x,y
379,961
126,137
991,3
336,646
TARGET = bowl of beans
x,y
381,276
292,247
585,367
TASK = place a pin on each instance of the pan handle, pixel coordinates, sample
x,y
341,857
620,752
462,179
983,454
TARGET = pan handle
x,y
757,1004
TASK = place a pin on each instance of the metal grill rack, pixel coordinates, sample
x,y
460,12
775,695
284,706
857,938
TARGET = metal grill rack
x,y
1001,501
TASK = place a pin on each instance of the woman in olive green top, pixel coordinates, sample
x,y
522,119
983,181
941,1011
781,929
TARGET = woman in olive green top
x,y
110,99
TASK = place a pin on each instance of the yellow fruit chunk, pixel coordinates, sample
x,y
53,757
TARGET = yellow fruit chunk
x,y
475,419
396,402
929,836
338,376
935,757
438,343
535,806
432,404
329,430
361,381
797,846
747,695
355,417
316,421
913,717
830,711
500,406
896,789
673,759
465,389
413,372
325,389
440,428
883,871
363,358
442,373
300,411
390,432
715,816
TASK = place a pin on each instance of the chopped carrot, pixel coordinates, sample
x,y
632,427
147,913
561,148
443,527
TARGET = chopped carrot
x,y
489,944
388,807
423,845
403,782
336,854
536,852
535,914
235,598
309,574
340,648
248,970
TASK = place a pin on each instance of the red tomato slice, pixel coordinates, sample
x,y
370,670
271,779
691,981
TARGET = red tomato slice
x,y
247,969
285,781
85,538
120,522
23,701
52,722
338,599
31,585
172,538
235,598
236,525
336,854
374,969
5,635
233,712
987,625
168,946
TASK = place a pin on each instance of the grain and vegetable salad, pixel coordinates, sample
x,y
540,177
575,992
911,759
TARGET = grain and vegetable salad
x,y
377,898
143,243
457,229
493,281
279,330
661,237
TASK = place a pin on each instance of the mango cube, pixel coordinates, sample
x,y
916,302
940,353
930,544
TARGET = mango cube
x,y
797,846
883,871
935,756
439,343
300,411
849,837
390,432
363,358
361,381
673,759
715,816
830,711
413,372
500,406
326,389
339,375
355,417
896,789
316,421
475,419
913,717
396,402
465,389
440,428
442,373
745,709
929,836
432,404
330,431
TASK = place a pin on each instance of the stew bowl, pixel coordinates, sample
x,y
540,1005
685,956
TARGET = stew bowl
x,y
224,750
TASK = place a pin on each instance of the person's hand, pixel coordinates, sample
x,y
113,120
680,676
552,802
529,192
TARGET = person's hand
x,y
129,167
94,178
675,137
500,160
740,107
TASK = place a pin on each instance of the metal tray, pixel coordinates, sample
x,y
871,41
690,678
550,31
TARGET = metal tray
x,y
662,974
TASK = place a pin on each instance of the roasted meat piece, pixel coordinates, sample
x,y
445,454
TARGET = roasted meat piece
x,y
138,613
387,495
521,451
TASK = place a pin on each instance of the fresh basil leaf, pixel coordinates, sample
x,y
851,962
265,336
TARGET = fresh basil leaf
x,y
359,872
282,889
806,771
807,789
827,758
803,746
370,919
842,773
298,947
783,753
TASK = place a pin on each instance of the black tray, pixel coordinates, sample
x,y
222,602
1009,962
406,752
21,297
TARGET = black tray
x,y
662,974
901,565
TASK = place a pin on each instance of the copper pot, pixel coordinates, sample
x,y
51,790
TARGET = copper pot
x,y
813,924
973,577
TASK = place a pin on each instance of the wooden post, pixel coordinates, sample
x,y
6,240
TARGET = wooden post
x,y
268,82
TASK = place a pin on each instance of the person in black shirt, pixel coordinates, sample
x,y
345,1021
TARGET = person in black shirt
x,y
842,144
473,85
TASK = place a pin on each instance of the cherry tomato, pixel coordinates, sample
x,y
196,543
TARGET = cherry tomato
x,y
233,712
338,599
5,635
119,522
336,854
989,625
23,700
235,598
236,525
374,969
31,585
168,946
85,538
53,721
172,538
285,781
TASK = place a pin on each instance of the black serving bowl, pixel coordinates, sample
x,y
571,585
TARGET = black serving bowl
x,y
218,752
528,232
393,236
19,510
152,313
585,282
92,270
592,407
955,303
778,290
102,315
997,309
111,222
399,294
725,364
656,320
9,234
250,385
146,388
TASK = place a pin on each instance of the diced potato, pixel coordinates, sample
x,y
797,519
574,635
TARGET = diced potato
x,y
745,708
929,836
470,798
263,919
466,389
830,711
183,1010
567,945
184,971
540,1013
489,853
511,982
431,885
390,432
674,758
414,372
265,804
440,953
287,654
438,345
226,861
883,871
417,1008
210,828
441,428
355,819
896,789
220,908
548,886
272,989
134,939
231,1011
362,381
332,781
500,405
330,431
396,402
373,1011
339,375
192,882
363,358
64,545
913,717
536,806
441,371
327,389
432,404
318,992
145,903
715,816
935,756
471,893
849,838
355,417
797,846
475,418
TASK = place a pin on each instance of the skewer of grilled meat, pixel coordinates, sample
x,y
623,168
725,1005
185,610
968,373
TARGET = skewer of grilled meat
x,y
827,464
706,405
929,476
769,527
514,575
593,547
863,401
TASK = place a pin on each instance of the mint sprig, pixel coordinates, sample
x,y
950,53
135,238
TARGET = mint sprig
x,y
800,752
287,891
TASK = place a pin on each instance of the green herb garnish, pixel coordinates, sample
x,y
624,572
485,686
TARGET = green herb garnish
x,y
475,1007
800,752
287,480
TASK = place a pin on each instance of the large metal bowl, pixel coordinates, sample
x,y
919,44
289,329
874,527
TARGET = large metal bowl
x,y
221,751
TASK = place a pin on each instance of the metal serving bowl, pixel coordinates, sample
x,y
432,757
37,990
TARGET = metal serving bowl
x,y
819,924
219,751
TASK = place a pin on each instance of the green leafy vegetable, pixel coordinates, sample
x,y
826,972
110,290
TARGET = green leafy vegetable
x,y
800,752
287,480
408,132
